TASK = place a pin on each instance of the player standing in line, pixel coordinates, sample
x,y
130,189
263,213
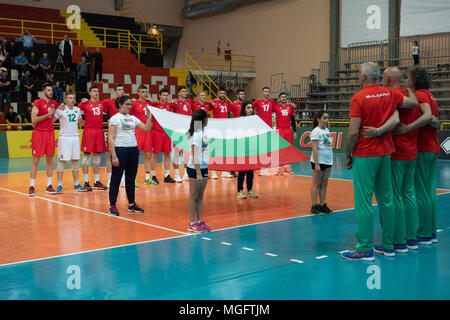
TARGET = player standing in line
x,y
43,136
201,103
143,138
93,140
69,117
182,106
285,124
161,142
235,109
221,109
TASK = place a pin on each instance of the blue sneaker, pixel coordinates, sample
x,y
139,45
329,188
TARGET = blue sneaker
x,y
363,256
412,244
424,240
59,189
79,188
386,252
402,248
434,238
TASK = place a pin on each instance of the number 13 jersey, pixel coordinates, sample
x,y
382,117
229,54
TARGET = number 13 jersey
x,y
93,114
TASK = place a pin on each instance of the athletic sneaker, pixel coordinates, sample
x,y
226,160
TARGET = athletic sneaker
x,y
412,244
233,174
136,185
287,170
251,194
99,186
135,208
402,248
278,172
387,252
226,174
203,227
31,192
324,208
257,172
113,210
79,188
241,195
434,238
154,181
185,176
354,255
178,179
194,227
87,186
424,240
214,175
316,209
270,171
50,190
59,189
168,179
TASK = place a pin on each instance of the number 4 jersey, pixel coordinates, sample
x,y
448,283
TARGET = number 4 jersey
x,y
68,119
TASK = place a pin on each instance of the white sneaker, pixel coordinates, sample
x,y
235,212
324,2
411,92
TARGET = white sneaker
x,y
214,175
185,177
178,179
226,174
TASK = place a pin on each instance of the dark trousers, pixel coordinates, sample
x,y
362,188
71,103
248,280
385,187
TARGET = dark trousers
x,y
416,59
88,72
68,59
128,162
5,96
82,87
241,176
27,51
32,91
98,68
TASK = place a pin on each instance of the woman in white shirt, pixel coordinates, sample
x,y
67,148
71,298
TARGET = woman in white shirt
x,y
321,162
415,52
197,170
124,152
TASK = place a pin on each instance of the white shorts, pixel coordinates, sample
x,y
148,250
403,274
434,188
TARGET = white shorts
x,y
68,148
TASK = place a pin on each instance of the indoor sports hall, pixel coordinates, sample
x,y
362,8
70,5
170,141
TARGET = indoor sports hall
x,y
68,246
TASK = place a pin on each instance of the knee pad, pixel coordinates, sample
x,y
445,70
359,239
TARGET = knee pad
x,y
61,165
96,160
86,160
75,165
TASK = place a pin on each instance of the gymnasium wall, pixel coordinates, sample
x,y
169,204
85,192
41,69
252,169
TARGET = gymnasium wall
x,y
286,36
167,12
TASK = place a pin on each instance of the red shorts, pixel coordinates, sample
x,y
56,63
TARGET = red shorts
x,y
93,141
43,143
161,142
286,134
144,140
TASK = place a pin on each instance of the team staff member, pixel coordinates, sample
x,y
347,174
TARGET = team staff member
x,y
93,140
124,152
43,136
372,106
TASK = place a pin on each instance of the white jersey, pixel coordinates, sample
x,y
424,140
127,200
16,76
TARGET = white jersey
x,y
68,119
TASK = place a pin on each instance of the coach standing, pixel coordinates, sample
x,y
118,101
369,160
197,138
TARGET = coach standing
x,y
372,106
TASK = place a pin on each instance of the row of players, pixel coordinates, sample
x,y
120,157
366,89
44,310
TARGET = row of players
x,y
45,111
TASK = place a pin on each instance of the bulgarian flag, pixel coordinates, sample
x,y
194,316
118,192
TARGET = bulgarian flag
x,y
237,144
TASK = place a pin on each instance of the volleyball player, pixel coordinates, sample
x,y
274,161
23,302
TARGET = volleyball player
x,y
235,109
201,103
161,142
43,136
124,152
182,105
285,124
221,109
93,141
69,117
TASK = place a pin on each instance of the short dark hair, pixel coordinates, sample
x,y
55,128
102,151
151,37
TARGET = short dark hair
x,y
221,89
117,85
265,88
93,87
45,85
281,93
163,90
239,91
121,100
142,87
181,88
420,77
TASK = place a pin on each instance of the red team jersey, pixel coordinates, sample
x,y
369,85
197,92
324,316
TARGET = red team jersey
x,y
183,107
109,105
235,109
43,106
406,144
169,107
93,114
374,104
223,107
197,105
264,109
428,136
284,114
138,110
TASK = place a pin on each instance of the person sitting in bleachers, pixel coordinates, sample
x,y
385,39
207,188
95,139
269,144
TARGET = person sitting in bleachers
x,y
70,83
33,65
21,62
5,90
45,64
13,117
27,116
82,74
3,53
57,90
27,85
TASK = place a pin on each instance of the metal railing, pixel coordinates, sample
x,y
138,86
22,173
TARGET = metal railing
x,y
223,62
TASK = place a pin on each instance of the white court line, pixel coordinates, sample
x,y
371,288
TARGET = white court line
x,y
226,243
341,252
321,257
204,238
248,249
438,230
295,260
271,254
98,212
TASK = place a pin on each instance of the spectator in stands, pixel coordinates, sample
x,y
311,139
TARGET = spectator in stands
x,y
70,83
66,49
98,64
82,74
27,116
190,83
57,91
312,83
3,54
27,85
13,117
415,52
12,53
33,65
88,55
5,90
28,40
45,64
21,62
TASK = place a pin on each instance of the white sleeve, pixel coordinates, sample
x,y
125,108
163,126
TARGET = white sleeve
x,y
195,139
57,114
314,135
113,121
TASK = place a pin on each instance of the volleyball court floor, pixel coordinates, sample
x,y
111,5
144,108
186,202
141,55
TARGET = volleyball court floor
x,y
266,248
